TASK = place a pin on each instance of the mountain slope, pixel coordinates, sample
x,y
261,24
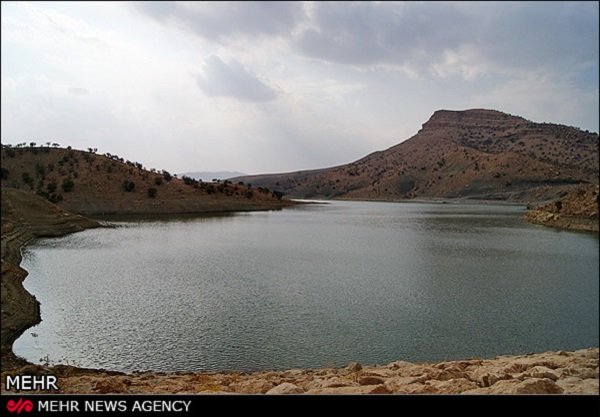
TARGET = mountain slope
x,y
90,184
475,153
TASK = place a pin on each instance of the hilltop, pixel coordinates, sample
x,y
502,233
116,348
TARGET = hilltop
x,y
476,154
86,183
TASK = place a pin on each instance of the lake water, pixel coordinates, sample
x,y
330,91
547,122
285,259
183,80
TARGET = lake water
x,y
314,286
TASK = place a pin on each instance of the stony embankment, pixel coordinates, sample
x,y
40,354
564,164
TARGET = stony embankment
x,y
541,373
25,216
575,210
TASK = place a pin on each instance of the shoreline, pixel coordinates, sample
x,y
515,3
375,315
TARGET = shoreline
x,y
20,311
552,372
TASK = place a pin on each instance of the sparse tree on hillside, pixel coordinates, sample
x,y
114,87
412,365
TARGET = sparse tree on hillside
x,y
128,186
27,179
68,185
51,186
40,170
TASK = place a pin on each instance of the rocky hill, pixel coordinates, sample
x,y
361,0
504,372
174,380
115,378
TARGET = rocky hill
x,y
478,154
91,184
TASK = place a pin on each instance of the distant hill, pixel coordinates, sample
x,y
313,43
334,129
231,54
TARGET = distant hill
x,y
91,184
478,154
208,176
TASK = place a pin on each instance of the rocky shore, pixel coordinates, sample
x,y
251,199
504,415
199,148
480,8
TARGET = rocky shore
x,y
541,373
575,210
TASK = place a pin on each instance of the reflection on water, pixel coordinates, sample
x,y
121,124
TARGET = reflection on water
x,y
312,286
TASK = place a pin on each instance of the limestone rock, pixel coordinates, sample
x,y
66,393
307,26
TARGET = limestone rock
x,y
285,388
354,367
542,372
110,385
453,386
370,380
364,389
399,364
573,385
538,386
416,388
398,384
334,382
252,386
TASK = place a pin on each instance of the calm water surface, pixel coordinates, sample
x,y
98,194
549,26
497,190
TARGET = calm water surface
x,y
314,286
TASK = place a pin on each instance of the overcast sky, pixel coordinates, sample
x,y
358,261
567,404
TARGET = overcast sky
x,y
268,87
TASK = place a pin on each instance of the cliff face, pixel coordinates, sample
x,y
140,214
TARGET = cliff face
x,y
478,153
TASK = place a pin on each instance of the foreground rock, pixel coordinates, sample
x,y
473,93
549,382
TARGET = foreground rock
x,y
541,373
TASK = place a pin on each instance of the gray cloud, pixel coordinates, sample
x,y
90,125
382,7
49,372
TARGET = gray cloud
x,y
480,36
499,36
371,33
529,35
232,79
219,20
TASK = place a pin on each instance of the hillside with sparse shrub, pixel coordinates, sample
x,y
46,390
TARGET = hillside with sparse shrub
x,y
87,183
475,154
